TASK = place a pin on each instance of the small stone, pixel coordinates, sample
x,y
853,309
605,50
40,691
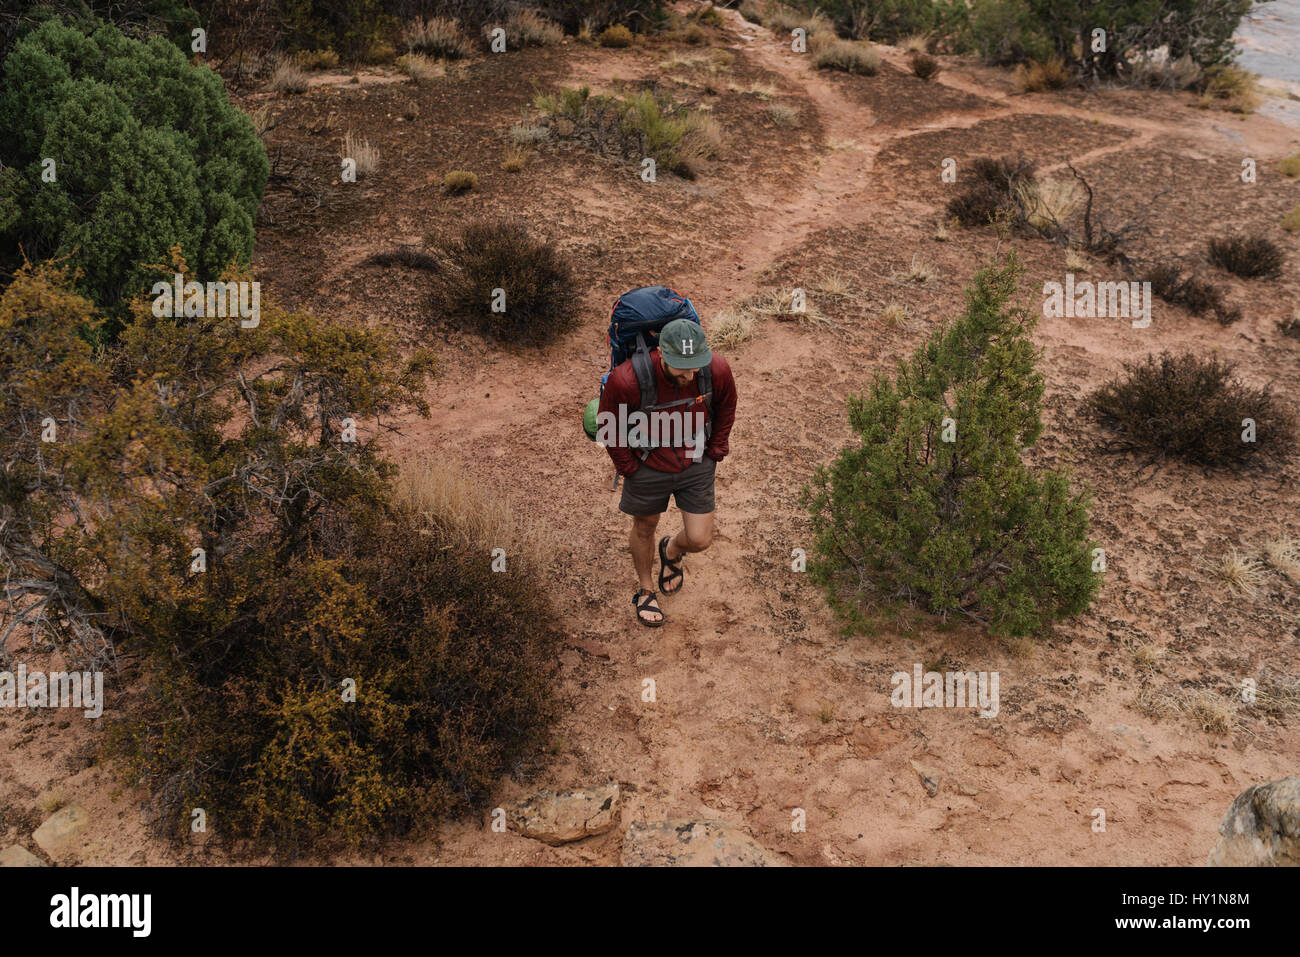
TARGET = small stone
x,y
930,778
19,856
60,831
558,817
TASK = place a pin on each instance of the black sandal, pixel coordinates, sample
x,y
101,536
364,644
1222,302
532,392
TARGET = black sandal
x,y
670,569
649,604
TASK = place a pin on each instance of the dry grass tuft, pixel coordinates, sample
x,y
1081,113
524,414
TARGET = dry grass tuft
x,y
446,497
362,153
730,329
783,114
288,77
420,68
920,272
1284,555
1239,572
1033,76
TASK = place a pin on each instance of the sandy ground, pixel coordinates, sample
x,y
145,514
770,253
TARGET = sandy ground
x,y
762,705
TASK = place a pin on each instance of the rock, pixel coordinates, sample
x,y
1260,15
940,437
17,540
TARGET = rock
x,y
60,831
18,856
968,790
930,778
558,817
693,844
1261,828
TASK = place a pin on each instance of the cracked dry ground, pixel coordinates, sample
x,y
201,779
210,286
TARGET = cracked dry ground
x,y
762,705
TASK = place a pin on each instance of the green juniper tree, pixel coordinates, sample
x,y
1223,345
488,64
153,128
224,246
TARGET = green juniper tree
x,y
934,507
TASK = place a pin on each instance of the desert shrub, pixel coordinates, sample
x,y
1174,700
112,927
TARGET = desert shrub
x,y
1290,326
1251,257
1290,165
540,292
1291,221
1230,88
1155,70
708,15
1003,32
634,127
288,77
905,517
354,28
184,167
923,65
695,35
783,114
1195,409
1198,296
459,181
991,191
317,576
1034,76
848,57
616,36
316,59
436,37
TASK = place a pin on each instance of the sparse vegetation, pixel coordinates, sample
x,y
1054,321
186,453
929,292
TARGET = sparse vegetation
x,y
993,187
288,77
525,27
316,59
1195,409
1239,572
516,159
540,292
895,314
420,68
730,329
923,65
1290,165
365,156
783,114
1284,555
459,181
637,126
1033,77
1291,221
1250,257
617,36
1231,88
919,272
438,37
1198,296
978,534
848,57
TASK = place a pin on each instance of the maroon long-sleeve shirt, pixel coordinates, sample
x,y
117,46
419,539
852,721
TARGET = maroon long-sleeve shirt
x,y
621,389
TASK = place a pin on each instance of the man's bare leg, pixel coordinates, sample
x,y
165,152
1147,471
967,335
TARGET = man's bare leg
x,y
696,535
642,544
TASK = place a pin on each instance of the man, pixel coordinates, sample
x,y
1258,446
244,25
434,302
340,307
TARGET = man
x,y
680,462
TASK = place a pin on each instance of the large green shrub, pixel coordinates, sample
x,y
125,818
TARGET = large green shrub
x,y
905,516
148,153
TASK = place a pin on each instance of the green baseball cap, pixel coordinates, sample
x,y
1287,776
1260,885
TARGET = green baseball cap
x,y
682,345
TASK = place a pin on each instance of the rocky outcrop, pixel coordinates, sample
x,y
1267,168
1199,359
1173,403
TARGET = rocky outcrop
x,y
558,817
1261,828
693,844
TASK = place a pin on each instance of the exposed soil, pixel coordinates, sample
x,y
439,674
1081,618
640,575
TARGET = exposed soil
x,y
762,705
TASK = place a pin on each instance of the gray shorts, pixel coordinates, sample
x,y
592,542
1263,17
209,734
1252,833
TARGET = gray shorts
x,y
647,490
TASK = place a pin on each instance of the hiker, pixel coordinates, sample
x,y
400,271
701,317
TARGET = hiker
x,y
692,400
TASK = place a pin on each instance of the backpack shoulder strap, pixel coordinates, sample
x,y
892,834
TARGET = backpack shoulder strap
x,y
645,375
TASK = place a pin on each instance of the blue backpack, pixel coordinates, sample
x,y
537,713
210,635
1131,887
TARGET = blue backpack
x,y
634,325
